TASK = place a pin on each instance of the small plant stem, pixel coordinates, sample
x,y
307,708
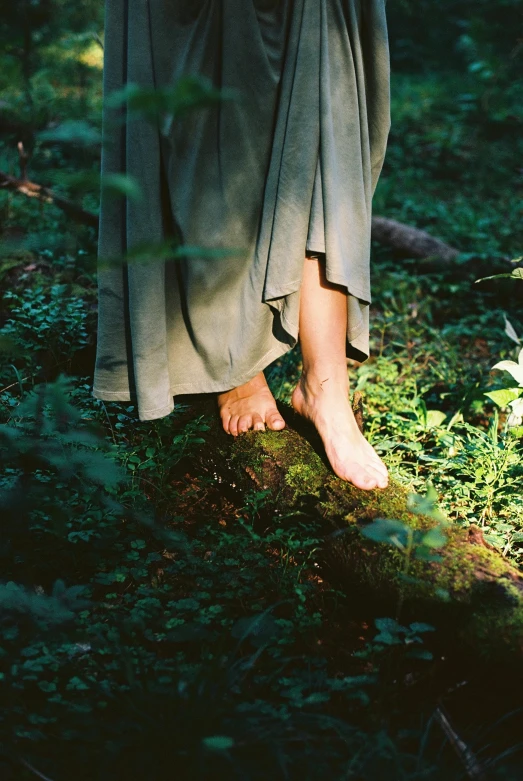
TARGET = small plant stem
x,y
405,571
19,379
33,770
109,421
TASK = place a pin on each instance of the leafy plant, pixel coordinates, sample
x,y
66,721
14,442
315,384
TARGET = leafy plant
x,y
409,638
511,396
54,322
413,543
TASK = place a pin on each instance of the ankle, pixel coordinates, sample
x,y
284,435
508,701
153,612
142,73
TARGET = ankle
x,y
316,382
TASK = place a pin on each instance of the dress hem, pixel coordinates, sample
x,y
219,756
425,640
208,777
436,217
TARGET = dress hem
x,y
186,389
190,388
336,279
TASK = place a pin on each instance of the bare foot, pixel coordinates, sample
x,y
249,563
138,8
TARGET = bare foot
x,y
326,404
250,406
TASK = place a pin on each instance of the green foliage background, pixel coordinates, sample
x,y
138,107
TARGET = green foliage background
x,y
148,619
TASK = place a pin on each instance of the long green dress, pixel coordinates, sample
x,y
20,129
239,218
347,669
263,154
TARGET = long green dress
x,y
291,166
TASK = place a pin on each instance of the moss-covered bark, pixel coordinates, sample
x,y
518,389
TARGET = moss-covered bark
x,y
471,590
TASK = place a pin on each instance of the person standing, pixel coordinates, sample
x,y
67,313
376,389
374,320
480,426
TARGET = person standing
x,y
284,175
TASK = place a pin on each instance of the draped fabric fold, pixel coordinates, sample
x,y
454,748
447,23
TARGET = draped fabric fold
x,y
290,165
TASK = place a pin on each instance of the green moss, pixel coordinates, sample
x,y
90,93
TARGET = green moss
x,y
357,506
503,624
271,441
304,479
468,570
297,464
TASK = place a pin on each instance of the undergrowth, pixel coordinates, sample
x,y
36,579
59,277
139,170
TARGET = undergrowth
x,y
153,622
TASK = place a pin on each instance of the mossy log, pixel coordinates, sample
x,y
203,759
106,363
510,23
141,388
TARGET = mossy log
x,y
471,593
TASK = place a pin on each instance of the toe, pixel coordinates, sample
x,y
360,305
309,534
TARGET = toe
x,y
233,425
382,480
274,420
257,422
362,478
226,419
368,482
380,467
244,423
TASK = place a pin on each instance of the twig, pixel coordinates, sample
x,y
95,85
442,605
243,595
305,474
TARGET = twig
x,y
23,157
110,424
403,238
26,764
45,195
8,387
473,767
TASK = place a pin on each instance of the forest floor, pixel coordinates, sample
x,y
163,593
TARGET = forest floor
x,y
206,638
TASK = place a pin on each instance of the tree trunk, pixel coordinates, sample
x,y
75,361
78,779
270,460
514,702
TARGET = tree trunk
x,y
470,592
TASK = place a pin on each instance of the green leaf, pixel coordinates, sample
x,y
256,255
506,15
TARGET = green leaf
x,y
420,653
386,638
511,331
47,686
8,346
426,505
316,697
388,531
435,418
218,742
517,273
434,538
504,396
168,251
422,553
76,684
515,369
123,186
420,627
172,102
388,625
73,131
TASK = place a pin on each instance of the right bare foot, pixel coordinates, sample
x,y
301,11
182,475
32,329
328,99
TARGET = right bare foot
x,y
250,406
326,404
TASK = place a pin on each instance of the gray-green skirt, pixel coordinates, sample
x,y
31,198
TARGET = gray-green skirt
x,y
289,166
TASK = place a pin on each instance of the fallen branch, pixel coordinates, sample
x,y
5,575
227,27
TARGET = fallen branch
x,y
403,238
45,195
470,592
411,242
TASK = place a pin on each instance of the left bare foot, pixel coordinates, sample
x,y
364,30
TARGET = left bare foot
x,y
250,406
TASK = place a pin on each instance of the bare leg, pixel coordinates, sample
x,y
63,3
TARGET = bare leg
x,y
322,393
250,406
